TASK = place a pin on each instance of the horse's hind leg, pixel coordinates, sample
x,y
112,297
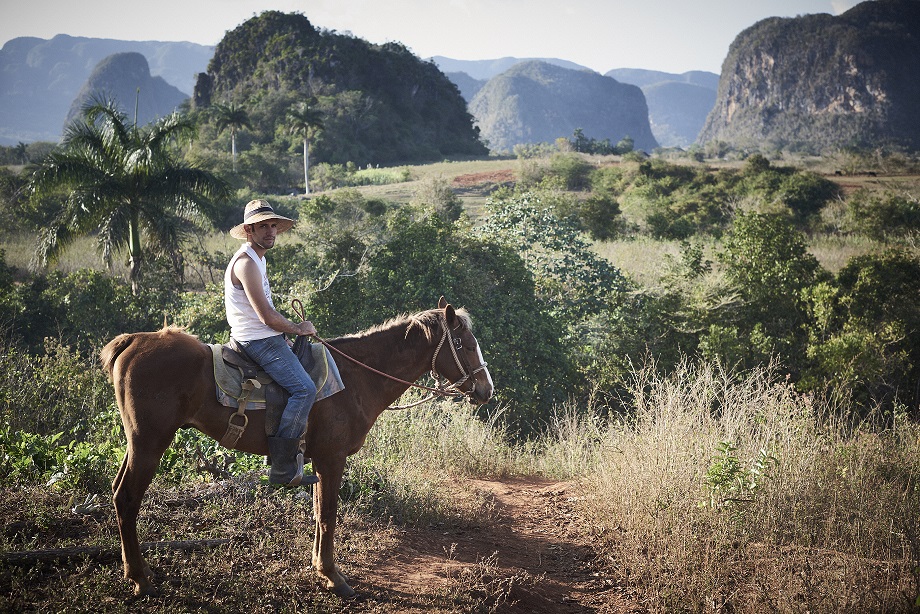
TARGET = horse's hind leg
x,y
121,474
136,473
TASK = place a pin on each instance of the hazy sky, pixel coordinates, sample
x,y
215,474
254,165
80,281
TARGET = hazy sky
x,y
668,35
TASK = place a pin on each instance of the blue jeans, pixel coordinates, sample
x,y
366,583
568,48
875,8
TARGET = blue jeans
x,y
275,356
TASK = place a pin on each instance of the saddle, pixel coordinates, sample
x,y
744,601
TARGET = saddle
x,y
242,384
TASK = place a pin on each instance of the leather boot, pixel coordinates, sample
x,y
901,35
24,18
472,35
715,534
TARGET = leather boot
x,y
287,463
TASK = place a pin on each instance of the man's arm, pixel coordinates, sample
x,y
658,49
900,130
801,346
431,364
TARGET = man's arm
x,y
248,273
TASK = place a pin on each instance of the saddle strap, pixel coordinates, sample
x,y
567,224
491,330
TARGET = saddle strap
x,y
235,431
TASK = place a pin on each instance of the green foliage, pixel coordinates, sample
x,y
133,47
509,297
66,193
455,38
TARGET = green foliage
x,y
768,265
121,181
891,214
679,201
57,390
428,257
729,484
26,455
437,194
867,344
661,324
803,193
584,144
191,452
204,314
598,215
83,309
572,170
379,103
572,281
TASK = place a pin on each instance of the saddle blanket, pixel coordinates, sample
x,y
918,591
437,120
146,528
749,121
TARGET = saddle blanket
x,y
229,379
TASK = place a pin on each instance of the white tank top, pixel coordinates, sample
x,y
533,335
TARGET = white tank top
x,y
245,324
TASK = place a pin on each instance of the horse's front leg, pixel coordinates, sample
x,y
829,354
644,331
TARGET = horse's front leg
x,y
325,507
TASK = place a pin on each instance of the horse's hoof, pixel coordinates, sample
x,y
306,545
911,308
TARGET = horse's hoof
x,y
344,591
146,591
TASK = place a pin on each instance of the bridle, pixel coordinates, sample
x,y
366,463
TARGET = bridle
x,y
450,390
456,343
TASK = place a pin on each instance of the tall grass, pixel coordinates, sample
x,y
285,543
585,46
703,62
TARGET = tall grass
x,y
736,492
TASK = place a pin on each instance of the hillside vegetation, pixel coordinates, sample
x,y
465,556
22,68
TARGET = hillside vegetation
x,y
381,104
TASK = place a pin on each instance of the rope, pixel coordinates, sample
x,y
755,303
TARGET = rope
x,y
299,310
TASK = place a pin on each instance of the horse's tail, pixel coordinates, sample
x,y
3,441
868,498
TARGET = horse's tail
x,y
113,350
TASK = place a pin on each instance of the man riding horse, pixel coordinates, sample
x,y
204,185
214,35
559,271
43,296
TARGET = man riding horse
x,y
260,330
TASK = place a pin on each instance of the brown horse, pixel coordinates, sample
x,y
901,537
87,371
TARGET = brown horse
x,y
164,381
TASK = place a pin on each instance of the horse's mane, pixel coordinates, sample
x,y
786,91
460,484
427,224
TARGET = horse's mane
x,y
427,321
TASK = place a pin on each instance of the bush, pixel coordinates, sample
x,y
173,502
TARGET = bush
x,y
768,265
599,216
882,216
83,309
571,280
867,344
435,192
429,257
572,169
58,390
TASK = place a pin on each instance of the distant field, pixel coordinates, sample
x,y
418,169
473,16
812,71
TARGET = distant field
x,y
473,191
643,258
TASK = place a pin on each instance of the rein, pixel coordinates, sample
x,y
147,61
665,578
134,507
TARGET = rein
x,y
298,308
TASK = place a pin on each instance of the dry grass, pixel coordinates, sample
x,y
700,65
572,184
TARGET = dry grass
x,y
643,259
801,512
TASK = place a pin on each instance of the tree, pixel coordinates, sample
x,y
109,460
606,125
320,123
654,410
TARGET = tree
x,y
768,269
122,181
22,152
303,120
232,117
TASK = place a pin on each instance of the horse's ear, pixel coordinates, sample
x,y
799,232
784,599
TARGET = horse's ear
x,y
442,303
450,315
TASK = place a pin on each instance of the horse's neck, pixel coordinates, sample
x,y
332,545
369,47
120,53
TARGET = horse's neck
x,y
396,351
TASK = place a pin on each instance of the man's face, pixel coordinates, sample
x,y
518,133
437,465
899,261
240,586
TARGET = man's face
x,y
263,233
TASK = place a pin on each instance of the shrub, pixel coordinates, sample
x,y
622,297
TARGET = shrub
x,y
599,215
571,280
882,216
58,390
867,346
435,192
428,257
572,169
768,265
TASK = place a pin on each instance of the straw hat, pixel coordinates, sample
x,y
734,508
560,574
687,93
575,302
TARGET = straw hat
x,y
259,211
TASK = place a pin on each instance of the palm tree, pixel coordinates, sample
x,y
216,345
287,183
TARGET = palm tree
x,y
123,182
22,152
231,117
303,120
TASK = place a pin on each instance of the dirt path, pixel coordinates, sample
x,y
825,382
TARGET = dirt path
x,y
526,557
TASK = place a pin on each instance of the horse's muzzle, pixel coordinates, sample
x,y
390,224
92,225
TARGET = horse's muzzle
x,y
480,394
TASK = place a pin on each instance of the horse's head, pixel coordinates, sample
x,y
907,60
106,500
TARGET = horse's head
x,y
459,357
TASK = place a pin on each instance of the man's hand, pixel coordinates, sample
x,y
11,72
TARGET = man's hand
x,y
306,328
